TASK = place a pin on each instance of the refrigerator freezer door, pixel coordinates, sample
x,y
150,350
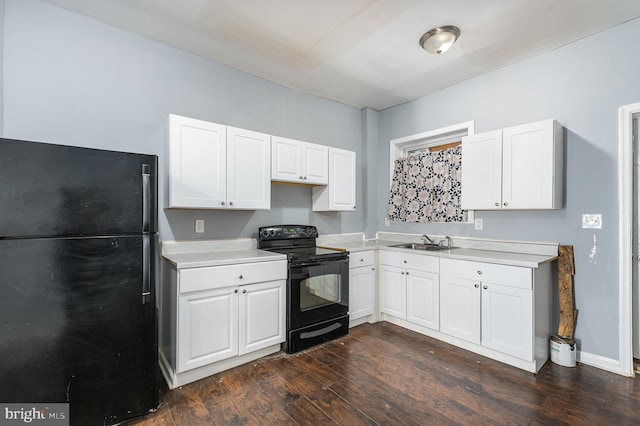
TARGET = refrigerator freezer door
x,y
74,327
56,190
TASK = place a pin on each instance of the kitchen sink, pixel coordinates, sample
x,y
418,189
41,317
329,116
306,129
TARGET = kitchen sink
x,y
420,246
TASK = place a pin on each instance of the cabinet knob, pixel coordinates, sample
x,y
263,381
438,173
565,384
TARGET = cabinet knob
x,y
244,291
354,207
223,203
485,287
477,285
240,277
301,177
506,204
230,203
497,204
407,272
361,260
373,269
404,261
236,290
479,272
402,272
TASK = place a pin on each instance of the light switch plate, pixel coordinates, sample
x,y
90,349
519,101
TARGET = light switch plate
x,y
478,224
199,226
591,221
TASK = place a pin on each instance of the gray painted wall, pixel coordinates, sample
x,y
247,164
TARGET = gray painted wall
x,y
73,80
580,85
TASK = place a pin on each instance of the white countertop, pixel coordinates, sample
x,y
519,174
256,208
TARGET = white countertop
x,y
193,254
475,255
217,258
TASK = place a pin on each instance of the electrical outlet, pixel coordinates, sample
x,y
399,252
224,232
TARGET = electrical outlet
x,y
199,226
387,222
591,221
478,224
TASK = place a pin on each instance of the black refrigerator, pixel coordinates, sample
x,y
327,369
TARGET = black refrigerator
x,y
78,271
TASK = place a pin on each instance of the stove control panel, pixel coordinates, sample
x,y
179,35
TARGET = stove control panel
x,y
286,232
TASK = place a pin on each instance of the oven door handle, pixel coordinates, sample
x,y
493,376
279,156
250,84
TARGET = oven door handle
x,y
320,262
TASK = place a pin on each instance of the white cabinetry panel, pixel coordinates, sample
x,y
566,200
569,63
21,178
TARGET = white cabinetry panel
x,y
518,167
198,162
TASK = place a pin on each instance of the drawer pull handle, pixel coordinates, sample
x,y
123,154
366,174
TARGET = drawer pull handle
x,y
479,272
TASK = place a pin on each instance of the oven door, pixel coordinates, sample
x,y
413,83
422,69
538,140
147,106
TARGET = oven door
x,y
318,291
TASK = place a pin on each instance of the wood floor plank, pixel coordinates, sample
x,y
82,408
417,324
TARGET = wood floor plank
x,y
384,374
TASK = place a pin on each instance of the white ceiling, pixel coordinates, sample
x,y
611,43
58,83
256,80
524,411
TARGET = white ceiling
x,y
363,53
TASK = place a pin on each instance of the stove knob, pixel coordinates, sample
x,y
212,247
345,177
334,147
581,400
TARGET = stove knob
x,y
265,232
272,232
310,232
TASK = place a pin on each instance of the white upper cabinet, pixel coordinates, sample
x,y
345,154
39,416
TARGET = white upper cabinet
x,y
197,163
212,166
299,162
518,167
340,192
248,169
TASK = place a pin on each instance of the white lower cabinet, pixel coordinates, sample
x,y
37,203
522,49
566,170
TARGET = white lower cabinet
x,y
409,289
214,318
501,308
361,285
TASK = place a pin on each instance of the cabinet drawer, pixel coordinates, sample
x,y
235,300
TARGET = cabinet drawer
x,y
196,279
513,276
409,260
360,258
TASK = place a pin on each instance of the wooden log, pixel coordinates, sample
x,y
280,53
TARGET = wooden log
x,y
566,270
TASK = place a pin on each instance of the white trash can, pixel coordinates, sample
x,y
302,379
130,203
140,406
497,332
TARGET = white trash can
x,y
562,351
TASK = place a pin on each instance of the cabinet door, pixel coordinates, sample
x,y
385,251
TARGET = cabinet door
x,y
361,291
528,166
507,320
393,291
207,327
423,298
262,315
197,163
460,308
286,159
482,171
315,163
248,169
340,192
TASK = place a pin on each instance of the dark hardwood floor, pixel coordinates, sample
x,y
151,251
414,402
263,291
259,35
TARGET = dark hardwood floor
x,y
384,374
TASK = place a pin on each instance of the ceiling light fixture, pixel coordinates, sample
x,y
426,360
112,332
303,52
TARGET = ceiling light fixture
x,y
439,40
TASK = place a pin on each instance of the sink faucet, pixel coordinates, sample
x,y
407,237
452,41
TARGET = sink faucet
x,y
427,240
448,239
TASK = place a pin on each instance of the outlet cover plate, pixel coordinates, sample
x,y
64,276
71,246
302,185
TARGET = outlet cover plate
x,y
591,221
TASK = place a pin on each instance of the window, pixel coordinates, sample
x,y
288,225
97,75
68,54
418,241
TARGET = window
x,y
425,176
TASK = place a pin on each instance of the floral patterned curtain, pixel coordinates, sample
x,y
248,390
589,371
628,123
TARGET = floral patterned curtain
x,y
426,188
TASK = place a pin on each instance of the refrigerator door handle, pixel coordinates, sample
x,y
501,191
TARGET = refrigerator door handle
x,y
146,272
146,197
